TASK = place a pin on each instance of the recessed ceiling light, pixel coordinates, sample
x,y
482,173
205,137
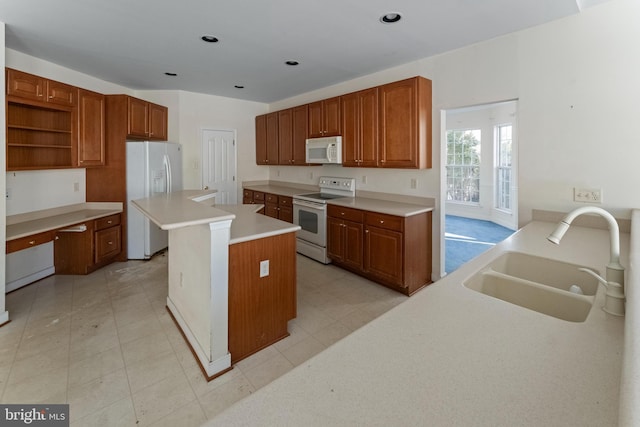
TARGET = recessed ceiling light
x,y
171,74
292,63
210,39
239,87
390,18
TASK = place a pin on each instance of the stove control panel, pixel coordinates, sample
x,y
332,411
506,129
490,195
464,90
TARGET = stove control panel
x,y
347,185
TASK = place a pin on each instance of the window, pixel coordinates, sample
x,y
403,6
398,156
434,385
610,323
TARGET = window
x,y
463,166
503,166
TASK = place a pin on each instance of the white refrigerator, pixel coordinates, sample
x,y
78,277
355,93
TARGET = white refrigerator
x,y
152,168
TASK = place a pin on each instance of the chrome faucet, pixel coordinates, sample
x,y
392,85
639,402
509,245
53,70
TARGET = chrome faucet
x,y
614,271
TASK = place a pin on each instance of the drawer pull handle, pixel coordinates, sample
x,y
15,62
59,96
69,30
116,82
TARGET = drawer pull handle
x,y
109,222
32,242
341,213
111,243
381,222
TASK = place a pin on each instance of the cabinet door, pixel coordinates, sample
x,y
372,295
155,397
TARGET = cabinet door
x,y
315,124
158,122
285,137
272,138
138,118
368,122
353,245
398,112
300,134
331,116
247,197
108,243
261,139
61,94
25,85
335,239
91,128
285,205
350,130
383,254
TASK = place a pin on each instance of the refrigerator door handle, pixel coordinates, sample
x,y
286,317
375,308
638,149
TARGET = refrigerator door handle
x,y
167,170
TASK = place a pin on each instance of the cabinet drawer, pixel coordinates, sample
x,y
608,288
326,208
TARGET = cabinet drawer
x,y
285,201
108,243
107,221
247,194
271,198
345,213
258,196
388,222
29,241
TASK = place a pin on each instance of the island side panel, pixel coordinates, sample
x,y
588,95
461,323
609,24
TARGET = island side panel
x,y
260,307
198,291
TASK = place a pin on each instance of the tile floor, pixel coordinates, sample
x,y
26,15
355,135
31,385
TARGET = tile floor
x,y
105,344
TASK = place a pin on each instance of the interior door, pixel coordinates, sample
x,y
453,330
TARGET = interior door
x,y
219,164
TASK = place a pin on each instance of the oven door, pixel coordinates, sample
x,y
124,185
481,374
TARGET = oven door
x,y
312,219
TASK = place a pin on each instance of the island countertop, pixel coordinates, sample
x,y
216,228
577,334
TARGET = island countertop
x,y
452,356
179,209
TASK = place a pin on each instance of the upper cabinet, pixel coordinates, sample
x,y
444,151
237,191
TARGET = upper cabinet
x,y
324,118
384,126
360,128
36,88
292,135
405,124
267,139
146,120
91,113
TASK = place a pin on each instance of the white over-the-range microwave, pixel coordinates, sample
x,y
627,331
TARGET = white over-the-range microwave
x,y
324,150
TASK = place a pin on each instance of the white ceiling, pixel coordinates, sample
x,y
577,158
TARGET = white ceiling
x,y
134,42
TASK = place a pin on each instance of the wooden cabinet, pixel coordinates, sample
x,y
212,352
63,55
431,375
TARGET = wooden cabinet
x,y
405,124
260,307
275,206
82,252
345,230
324,118
292,135
146,120
391,250
39,137
360,128
36,88
91,120
267,139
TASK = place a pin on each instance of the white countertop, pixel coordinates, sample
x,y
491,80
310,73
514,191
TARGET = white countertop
x,y
381,206
371,204
178,209
452,356
27,224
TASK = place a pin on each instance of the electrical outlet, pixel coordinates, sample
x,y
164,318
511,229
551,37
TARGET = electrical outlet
x,y
310,175
264,268
364,179
587,195
414,183
76,187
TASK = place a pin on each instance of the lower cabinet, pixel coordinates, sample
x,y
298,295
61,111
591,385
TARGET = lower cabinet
x,y
275,206
391,250
85,247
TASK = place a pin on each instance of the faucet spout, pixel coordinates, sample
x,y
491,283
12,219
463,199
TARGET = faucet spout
x,y
615,271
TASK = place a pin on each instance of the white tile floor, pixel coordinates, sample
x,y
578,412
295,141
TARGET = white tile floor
x,y
105,344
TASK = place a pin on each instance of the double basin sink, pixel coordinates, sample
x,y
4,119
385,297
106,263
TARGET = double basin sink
x,y
548,286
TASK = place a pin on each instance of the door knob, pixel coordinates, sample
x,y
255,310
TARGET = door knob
x,y
206,187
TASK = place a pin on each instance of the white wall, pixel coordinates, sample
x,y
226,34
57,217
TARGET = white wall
x,y
4,315
576,82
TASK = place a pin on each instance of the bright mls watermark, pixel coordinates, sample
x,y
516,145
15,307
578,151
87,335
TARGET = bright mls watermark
x,y
34,415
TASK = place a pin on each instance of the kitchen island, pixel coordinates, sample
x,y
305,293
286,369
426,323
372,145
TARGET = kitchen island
x,y
209,302
452,356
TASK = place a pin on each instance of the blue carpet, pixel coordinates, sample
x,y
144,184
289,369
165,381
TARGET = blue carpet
x,y
467,238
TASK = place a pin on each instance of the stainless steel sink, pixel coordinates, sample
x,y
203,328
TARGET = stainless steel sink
x,y
537,283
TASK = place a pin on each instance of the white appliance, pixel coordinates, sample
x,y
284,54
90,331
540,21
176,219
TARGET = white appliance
x,y
324,150
153,168
310,213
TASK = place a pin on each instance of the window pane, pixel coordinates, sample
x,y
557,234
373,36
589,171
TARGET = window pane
x,y
463,165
